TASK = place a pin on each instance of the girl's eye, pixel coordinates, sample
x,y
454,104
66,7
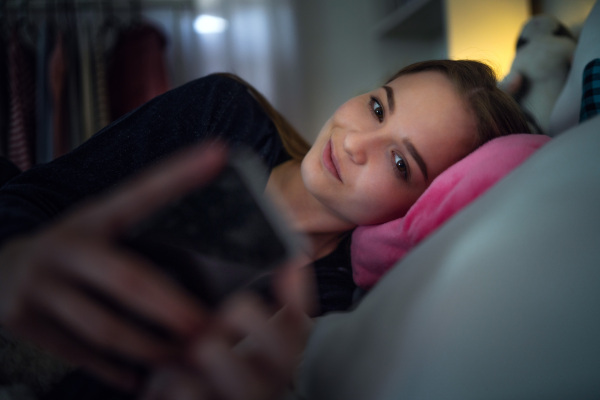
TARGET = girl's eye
x,y
377,108
401,166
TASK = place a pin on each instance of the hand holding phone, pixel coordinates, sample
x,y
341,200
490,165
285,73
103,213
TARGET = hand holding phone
x,y
61,285
220,237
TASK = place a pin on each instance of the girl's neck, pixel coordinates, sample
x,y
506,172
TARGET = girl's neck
x,y
307,216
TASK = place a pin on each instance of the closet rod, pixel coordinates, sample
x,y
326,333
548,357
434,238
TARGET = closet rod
x,y
36,5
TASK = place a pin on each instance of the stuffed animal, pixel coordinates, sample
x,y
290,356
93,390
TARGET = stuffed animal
x,y
544,53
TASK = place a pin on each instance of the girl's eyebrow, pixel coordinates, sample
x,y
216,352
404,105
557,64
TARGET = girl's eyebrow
x,y
415,154
390,97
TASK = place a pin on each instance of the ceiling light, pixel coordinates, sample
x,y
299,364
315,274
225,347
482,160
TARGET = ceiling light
x,y
205,23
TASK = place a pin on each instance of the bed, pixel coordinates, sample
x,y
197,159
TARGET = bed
x,y
500,302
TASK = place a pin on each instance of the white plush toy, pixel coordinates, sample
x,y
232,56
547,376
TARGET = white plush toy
x,y
544,53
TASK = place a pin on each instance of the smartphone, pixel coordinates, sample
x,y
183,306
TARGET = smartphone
x,y
221,237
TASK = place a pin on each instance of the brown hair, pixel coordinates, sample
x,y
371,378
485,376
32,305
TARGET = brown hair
x,y
496,113
293,143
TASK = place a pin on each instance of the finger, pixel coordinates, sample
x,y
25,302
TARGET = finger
x,y
228,376
158,185
100,327
295,286
249,318
259,365
136,284
172,383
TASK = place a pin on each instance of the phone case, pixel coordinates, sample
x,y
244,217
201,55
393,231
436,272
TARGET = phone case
x,y
220,237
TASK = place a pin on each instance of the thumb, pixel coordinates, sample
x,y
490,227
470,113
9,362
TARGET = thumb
x,y
142,194
295,287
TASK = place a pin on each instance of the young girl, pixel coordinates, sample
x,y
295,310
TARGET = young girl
x,y
371,161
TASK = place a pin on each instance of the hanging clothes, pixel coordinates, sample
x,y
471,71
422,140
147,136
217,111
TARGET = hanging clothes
x,y
43,101
86,79
73,101
4,94
21,65
78,74
137,69
58,73
102,110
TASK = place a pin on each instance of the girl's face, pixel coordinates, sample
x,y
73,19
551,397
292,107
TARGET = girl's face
x,y
380,151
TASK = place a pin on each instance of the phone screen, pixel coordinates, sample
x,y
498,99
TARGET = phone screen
x,y
220,237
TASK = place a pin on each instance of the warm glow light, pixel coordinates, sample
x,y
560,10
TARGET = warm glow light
x,y
486,30
209,24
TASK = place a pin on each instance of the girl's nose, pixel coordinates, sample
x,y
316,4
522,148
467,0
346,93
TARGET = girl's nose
x,y
354,147
358,144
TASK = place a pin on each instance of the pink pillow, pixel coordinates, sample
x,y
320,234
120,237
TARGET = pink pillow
x,y
376,248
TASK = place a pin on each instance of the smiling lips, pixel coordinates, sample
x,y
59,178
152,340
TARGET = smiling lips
x,y
330,162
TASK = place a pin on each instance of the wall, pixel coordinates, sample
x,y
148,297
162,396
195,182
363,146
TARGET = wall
x,y
485,31
342,55
306,56
259,44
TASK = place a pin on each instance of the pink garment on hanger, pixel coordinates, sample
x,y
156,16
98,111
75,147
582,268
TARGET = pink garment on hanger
x,y
137,68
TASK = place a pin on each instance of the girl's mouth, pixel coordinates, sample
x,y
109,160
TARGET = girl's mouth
x,y
330,162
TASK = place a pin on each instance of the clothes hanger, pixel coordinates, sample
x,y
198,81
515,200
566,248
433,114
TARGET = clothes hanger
x,y
110,19
24,25
111,23
65,12
3,18
135,12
